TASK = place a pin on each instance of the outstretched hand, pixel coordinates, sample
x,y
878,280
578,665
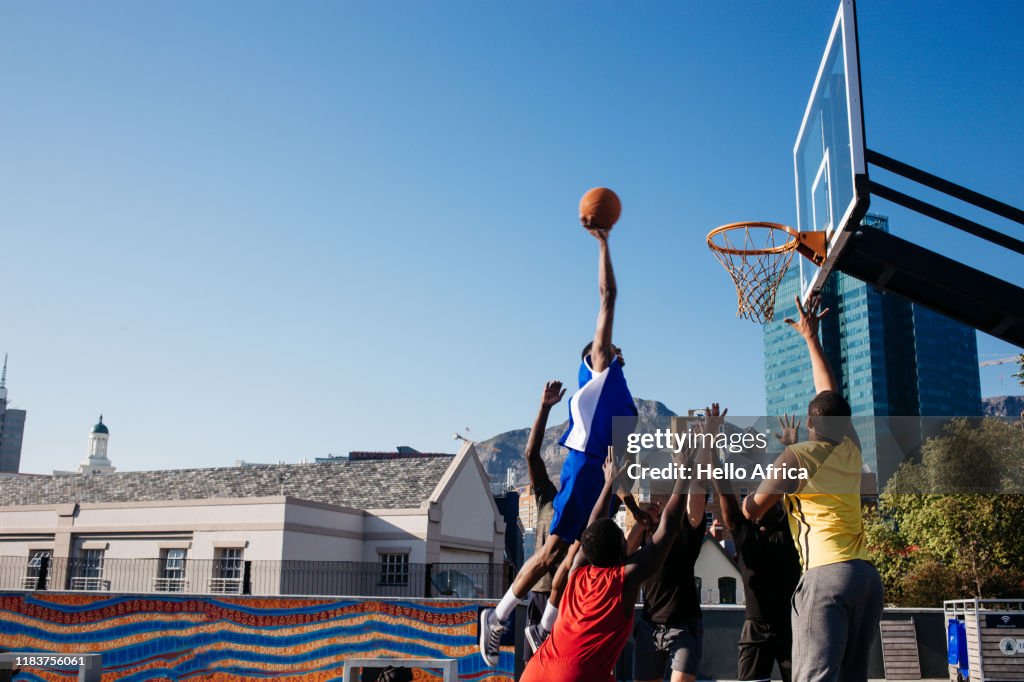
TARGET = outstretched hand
x,y
553,393
610,467
790,430
809,319
599,233
713,419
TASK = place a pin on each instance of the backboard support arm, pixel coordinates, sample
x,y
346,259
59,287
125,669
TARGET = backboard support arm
x,y
971,296
942,215
945,186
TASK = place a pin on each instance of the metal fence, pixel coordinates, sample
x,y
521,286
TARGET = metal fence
x,y
237,576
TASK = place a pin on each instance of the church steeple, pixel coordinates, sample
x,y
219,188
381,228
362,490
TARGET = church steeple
x,y
97,462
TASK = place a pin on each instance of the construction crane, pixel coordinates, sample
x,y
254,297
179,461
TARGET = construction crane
x,y
1000,361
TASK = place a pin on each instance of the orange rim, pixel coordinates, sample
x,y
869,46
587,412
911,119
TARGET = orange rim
x,y
781,248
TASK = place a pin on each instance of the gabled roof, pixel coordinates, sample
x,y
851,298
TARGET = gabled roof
x,y
361,484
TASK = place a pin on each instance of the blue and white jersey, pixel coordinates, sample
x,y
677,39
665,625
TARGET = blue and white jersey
x,y
601,397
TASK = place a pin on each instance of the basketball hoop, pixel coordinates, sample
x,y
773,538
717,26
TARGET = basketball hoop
x,y
756,255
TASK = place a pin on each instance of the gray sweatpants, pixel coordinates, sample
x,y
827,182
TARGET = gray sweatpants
x,y
836,609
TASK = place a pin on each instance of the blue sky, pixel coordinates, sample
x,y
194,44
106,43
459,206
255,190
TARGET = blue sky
x,y
268,231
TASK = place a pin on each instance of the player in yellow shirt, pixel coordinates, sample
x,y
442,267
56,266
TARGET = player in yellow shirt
x,y
838,602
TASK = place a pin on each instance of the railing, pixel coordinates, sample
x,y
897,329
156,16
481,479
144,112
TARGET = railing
x,y
31,582
225,586
90,584
257,577
169,584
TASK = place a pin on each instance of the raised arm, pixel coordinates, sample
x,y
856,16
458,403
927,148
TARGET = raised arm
x,y
552,393
807,325
696,502
635,538
611,474
771,491
646,562
601,352
732,515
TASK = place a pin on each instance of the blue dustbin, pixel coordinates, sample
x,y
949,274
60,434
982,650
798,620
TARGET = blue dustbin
x,y
956,646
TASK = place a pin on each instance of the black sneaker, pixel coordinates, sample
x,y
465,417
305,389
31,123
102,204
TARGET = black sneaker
x,y
491,632
535,636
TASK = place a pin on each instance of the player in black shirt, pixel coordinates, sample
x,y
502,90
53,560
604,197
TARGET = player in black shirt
x,y
670,629
770,569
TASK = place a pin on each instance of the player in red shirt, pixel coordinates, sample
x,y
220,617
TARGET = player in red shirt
x,y
596,613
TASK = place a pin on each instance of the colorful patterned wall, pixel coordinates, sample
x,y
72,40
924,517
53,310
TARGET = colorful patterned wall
x,y
143,637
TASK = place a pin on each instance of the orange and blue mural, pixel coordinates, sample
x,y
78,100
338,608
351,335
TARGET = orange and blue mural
x,y
143,637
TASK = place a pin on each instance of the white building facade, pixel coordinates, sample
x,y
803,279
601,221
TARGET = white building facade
x,y
367,524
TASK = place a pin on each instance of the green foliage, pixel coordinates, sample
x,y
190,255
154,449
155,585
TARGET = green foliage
x,y
931,540
933,547
1019,376
972,456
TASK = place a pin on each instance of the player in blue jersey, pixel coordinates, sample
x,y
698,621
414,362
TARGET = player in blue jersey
x,y
603,394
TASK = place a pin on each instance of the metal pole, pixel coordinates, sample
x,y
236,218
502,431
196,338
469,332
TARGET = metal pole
x,y
945,186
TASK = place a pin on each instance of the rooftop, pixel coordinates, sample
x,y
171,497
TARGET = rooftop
x,y
385,483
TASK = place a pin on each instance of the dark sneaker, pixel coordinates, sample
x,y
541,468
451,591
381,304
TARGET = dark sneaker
x,y
491,632
535,636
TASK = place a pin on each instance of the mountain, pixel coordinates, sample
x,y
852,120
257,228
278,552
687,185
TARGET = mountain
x,y
507,449
1003,406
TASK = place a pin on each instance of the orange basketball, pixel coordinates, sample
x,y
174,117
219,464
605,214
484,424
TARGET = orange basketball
x,y
600,207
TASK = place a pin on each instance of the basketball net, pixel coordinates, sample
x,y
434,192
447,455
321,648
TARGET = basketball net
x,y
756,255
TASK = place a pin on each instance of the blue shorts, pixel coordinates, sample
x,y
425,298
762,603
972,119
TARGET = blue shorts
x,y
582,481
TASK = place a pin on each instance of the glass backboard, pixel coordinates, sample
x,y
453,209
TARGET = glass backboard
x,y
828,157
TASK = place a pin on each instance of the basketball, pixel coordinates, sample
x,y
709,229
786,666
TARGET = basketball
x,y
600,207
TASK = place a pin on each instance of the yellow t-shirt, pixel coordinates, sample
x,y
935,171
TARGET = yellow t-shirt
x,y
824,513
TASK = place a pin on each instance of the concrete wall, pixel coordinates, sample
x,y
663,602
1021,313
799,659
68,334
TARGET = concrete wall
x,y
224,637
722,626
466,508
395,531
463,556
316,532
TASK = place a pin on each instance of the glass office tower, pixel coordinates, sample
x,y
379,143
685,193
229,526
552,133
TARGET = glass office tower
x,y
891,357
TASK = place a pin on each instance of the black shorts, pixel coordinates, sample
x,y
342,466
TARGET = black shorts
x,y
680,646
536,602
762,645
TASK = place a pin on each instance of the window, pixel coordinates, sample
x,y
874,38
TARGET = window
x,y
35,565
172,571
727,590
227,571
709,517
92,564
394,569
89,571
229,563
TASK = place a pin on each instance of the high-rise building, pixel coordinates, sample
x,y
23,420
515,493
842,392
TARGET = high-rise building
x,y
891,356
12,429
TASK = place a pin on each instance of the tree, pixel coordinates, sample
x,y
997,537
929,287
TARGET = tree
x,y
971,456
936,535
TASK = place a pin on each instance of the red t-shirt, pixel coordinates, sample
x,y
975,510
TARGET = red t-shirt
x,y
591,631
